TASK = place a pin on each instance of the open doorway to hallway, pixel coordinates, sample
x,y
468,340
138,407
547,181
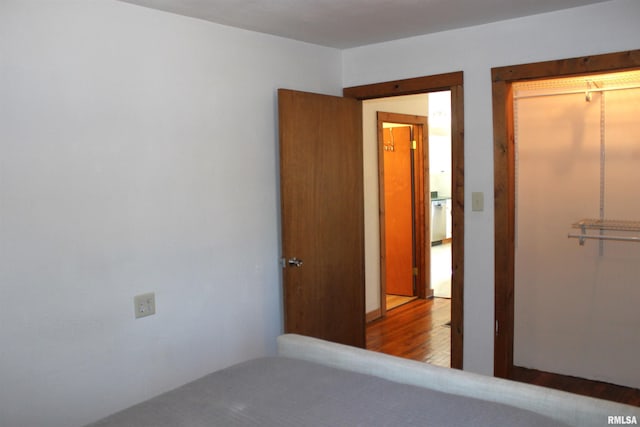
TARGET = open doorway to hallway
x,y
426,319
452,82
403,188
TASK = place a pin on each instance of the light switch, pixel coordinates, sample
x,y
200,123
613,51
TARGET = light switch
x,y
477,201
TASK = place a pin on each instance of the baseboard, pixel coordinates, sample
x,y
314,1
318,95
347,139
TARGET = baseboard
x,y
586,387
373,315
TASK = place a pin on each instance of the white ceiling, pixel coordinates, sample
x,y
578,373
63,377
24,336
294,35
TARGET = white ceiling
x,y
350,23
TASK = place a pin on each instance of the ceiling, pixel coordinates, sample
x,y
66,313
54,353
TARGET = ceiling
x,y
350,23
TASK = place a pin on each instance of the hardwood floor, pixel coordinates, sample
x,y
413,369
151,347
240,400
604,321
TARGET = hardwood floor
x,y
416,330
394,301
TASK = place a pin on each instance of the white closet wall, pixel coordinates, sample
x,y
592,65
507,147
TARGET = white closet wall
x,y
576,306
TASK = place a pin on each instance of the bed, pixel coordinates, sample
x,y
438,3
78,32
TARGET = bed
x,y
313,383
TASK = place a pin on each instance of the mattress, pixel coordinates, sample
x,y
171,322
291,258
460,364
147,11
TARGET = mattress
x,y
283,392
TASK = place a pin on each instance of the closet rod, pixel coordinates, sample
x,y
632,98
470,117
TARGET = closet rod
x,y
596,237
572,92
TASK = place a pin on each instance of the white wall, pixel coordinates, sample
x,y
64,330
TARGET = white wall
x,y
601,28
137,154
576,308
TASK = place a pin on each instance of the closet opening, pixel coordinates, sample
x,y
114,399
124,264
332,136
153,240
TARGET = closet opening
x,y
567,225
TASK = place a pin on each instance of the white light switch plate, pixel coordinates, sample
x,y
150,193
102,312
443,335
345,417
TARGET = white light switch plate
x,y
144,304
477,201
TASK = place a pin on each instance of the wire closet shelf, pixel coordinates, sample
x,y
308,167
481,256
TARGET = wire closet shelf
x,y
603,225
600,229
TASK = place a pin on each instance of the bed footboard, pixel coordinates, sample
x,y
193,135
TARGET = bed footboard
x,y
569,408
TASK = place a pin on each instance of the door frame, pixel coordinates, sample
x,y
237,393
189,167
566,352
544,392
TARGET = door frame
x,y
504,178
452,82
420,199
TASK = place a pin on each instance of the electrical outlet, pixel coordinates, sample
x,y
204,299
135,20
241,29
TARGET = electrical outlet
x,y
144,304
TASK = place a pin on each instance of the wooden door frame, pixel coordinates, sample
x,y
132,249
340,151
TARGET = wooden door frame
x,y
504,178
421,198
452,82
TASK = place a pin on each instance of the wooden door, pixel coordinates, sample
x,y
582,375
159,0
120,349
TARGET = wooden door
x,y
322,214
397,205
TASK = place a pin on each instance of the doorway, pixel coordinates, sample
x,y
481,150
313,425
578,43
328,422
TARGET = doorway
x,y
505,179
421,85
402,167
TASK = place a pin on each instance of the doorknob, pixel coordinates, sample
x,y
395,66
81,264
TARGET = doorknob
x,y
295,262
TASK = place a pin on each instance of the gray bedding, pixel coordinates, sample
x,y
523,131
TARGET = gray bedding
x,y
284,392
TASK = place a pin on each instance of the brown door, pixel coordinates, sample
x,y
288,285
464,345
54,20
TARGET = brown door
x,y
322,213
399,236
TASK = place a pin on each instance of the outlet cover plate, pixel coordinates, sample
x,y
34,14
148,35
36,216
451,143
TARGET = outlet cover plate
x,y
144,304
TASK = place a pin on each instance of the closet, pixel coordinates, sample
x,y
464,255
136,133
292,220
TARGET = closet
x,y
577,226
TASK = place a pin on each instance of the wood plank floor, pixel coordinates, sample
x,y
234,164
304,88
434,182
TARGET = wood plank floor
x,y
416,331
394,301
